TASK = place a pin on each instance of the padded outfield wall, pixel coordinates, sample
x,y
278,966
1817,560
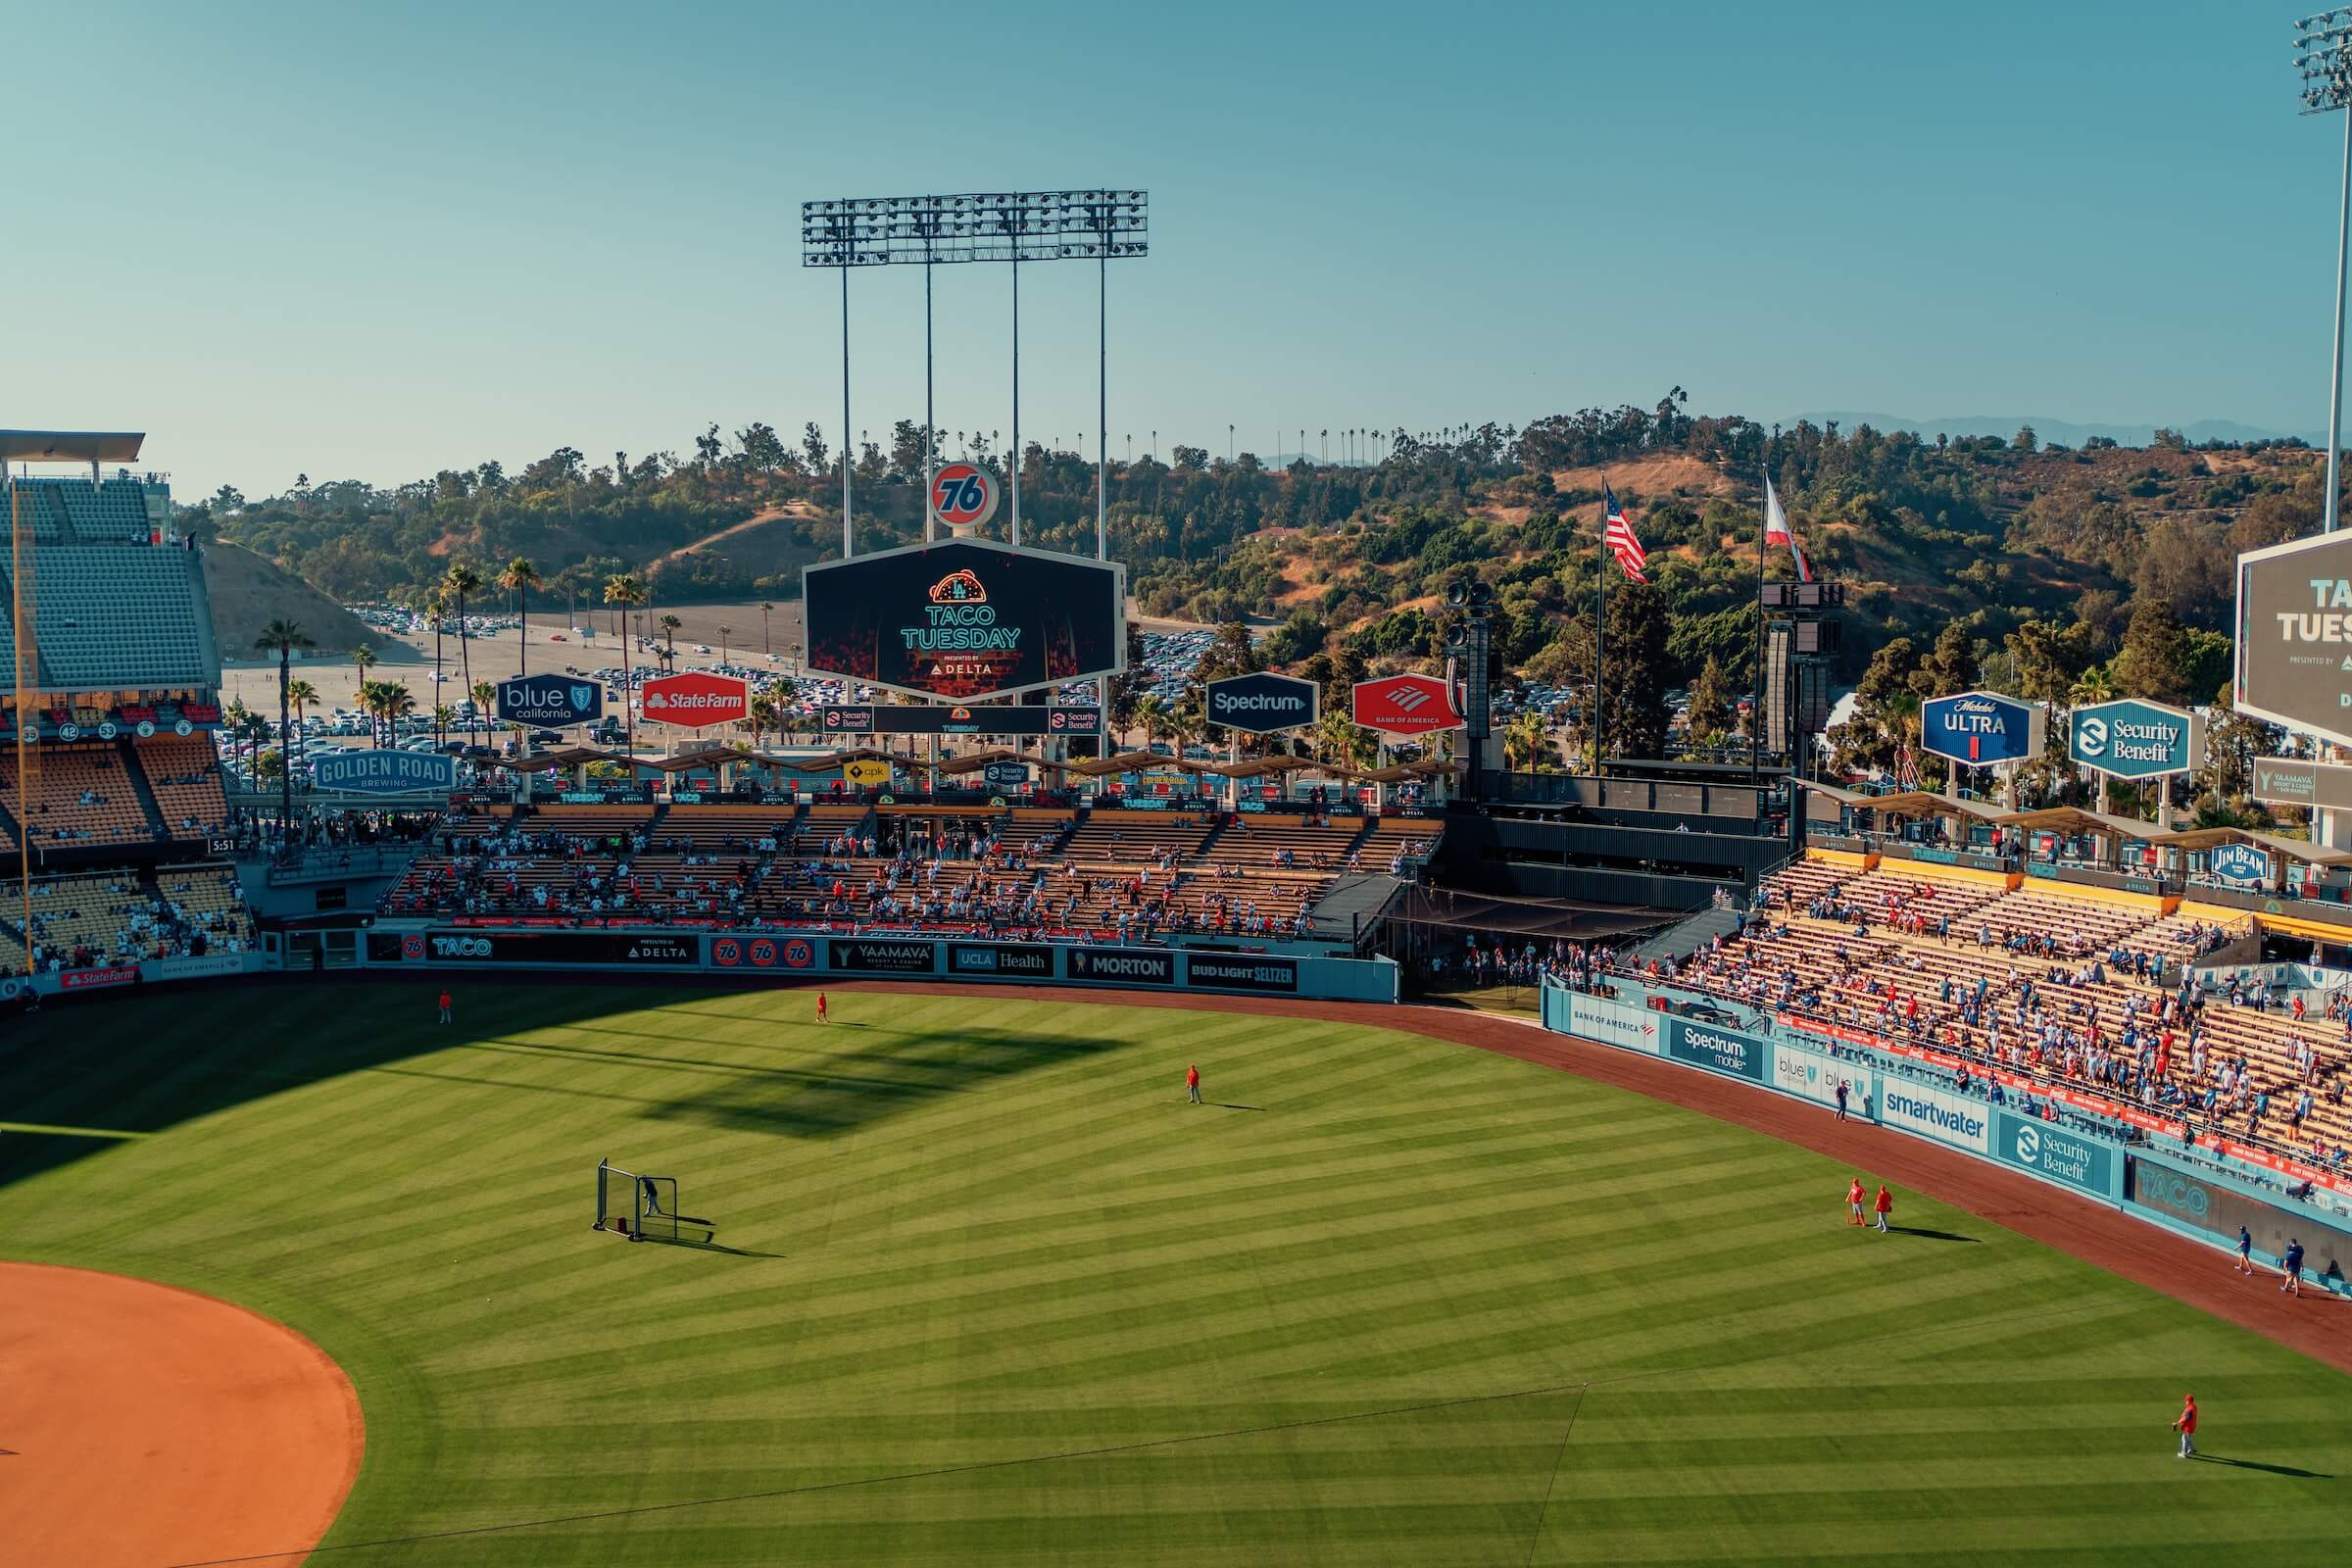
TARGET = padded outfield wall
x,y
2198,1200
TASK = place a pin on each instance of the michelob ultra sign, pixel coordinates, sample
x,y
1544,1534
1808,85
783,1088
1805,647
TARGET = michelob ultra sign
x,y
1982,728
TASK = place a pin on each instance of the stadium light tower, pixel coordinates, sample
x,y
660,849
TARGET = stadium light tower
x,y
2324,59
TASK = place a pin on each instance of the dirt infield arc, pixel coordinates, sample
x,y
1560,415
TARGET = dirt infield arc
x,y
2315,1325
148,1424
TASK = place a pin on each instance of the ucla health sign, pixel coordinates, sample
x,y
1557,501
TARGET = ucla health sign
x,y
1982,728
2133,739
384,772
550,699
1702,1045
1937,1113
2048,1149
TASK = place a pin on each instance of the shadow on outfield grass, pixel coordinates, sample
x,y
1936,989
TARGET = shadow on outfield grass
x,y
1932,1236
2268,1469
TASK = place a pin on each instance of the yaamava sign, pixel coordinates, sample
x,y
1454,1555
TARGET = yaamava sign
x,y
2133,739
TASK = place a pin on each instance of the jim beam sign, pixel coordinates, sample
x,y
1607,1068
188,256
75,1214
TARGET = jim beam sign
x,y
2294,636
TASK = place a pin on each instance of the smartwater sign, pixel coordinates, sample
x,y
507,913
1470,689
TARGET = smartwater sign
x,y
1982,728
1702,1045
2133,739
2047,1149
1615,1023
1937,1113
1810,1075
384,772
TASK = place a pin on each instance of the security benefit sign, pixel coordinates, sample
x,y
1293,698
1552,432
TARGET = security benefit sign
x,y
2133,739
1937,1113
2294,636
1982,728
550,699
2048,1149
966,619
1263,703
384,772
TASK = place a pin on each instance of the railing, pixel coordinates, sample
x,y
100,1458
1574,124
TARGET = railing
x,y
323,864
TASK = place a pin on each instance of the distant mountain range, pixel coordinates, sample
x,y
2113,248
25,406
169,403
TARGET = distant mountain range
x,y
2070,434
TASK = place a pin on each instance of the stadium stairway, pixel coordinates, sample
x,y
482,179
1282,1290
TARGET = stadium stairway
x,y
1202,849
1680,941
136,770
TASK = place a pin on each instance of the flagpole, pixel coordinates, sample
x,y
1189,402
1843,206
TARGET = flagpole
x,y
1600,614
1756,711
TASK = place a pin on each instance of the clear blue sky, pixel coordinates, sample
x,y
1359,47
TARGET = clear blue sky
x,y
374,241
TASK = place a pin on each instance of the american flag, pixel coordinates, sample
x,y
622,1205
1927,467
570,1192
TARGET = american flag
x,y
1618,535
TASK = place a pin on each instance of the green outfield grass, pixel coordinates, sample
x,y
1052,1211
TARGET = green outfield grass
x,y
1001,1297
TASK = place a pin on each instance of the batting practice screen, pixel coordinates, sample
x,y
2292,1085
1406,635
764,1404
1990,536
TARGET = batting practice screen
x,y
964,619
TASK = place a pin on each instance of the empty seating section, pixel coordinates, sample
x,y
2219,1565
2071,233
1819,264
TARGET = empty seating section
x,y
76,794
184,771
2040,981
117,615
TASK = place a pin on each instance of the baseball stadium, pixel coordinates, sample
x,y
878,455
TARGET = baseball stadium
x,y
942,1144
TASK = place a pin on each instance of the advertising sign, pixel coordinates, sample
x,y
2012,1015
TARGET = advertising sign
x,y
1025,961
2133,739
1231,971
865,772
1702,1045
1810,1075
2294,636
2048,1149
1404,704
1616,1023
2283,781
97,979
2241,864
963,496
1126,966
550,699
696,700
1070,718
1263,703
1981,728
883,955
384,772
1005,775
474,944
966,619
1937,1113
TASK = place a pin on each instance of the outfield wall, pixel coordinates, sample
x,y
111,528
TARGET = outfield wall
x,y
123,977
2198,1200
786,955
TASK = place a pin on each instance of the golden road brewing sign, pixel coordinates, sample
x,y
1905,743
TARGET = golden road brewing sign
x,y
2294,636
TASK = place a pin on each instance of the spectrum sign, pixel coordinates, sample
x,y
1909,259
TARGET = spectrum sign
x,y
1982,728
2133,739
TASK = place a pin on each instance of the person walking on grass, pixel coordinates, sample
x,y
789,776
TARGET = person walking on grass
x,y
1855,1199
445,1004
1840,1099
2186,1422
2245,1250
820,1008
2290,1266
1192,1085
1885,1207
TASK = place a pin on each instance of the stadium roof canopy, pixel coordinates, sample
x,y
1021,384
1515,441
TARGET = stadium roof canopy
x,y
72,446
1907,803
2303,850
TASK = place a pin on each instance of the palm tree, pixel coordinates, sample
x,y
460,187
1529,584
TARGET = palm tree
x,y
394,702
282,637
302,694
232,719
724,632
670,625
764,607
362,659
761,712
1151,713
518,579
1527,743
462,581
485,699
623,590
436,607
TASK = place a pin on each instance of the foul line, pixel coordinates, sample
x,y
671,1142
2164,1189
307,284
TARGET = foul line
x,y
905,1475
47,1130
1535,1541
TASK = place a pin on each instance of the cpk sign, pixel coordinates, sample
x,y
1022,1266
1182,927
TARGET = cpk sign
x,y
2133,739
696,700
1981,728
1404,704
1263,703
2294,636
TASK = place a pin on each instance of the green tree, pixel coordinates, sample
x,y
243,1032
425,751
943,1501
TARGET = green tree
x,y
281,637
1234,653
1639,669
518,578
2157,661
462,580
1950,666
621,590
1710,702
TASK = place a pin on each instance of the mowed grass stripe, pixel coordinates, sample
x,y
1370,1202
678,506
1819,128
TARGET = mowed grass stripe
x,y
1003,1237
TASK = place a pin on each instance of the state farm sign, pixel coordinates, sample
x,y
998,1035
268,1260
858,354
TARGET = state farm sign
x,y
1405,705
696,700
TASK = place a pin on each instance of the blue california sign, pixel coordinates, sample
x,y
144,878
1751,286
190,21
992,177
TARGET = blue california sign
x,y
2241,864
550,699
1981,728
2133,739
385,772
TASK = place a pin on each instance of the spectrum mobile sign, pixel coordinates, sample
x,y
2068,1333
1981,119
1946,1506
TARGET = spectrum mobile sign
x,y
2133,739
1982,728
966,619
2294,636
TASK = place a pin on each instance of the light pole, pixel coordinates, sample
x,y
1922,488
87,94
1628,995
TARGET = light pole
x,y
2324,57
